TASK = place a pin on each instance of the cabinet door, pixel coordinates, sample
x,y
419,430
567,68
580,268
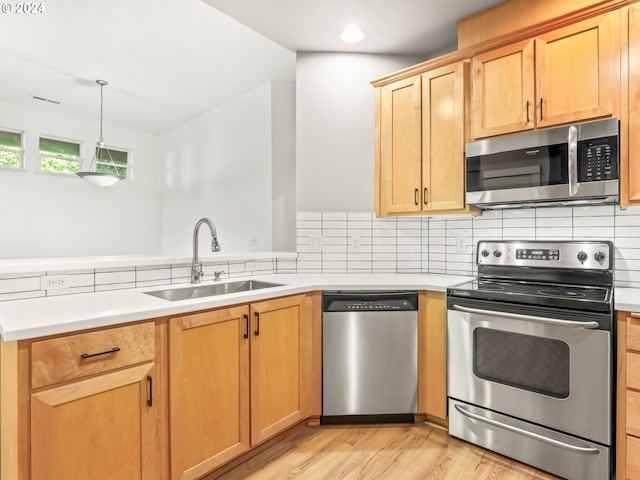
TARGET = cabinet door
x,y
630,158
576,70
503,90
444,134
99,429
278,331
400,147
208,390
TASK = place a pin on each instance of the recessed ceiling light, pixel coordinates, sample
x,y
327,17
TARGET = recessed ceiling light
x,y
352,34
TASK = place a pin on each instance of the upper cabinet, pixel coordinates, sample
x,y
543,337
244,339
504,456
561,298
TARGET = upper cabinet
x,y
566,75
630,118
421,126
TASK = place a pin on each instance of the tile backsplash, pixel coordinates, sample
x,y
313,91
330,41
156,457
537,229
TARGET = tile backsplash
x,y
339,242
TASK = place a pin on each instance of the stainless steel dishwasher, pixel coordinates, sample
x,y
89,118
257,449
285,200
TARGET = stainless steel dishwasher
x,y
370,356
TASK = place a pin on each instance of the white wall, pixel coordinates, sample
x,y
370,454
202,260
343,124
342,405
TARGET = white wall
x,y
53,215
283,123
219,165
335,140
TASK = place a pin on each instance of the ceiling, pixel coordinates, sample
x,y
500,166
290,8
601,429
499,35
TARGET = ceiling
x,y
168,61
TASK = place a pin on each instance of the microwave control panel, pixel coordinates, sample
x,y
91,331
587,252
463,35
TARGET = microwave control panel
x,y
598,159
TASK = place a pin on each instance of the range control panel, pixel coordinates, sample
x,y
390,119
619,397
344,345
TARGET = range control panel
x,y
594,255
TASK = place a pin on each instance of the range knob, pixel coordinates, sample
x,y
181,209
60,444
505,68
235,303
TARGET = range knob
x,y
497,253
582,256
484,253
599,256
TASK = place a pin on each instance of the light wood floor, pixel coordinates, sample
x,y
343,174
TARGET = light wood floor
x,y
402,452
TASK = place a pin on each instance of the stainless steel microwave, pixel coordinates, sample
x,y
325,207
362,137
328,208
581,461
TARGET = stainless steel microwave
x,y
568,165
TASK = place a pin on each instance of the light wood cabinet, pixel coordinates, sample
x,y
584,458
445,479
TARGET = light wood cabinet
x,y
237,377
432,356
628,393
208,390
566,75
421,135
630,121
279,365
101,427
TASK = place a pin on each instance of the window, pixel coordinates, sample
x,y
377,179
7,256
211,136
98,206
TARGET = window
x,y
118,163
11,152
59,156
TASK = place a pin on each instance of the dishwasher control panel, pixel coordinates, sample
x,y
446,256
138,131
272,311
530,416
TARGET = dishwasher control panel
x,y
370,301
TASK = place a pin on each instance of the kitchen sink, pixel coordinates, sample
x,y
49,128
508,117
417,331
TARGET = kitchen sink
x,y
199,291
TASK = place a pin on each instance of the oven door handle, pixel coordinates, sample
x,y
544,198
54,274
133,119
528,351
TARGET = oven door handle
x,y
529,318
536,436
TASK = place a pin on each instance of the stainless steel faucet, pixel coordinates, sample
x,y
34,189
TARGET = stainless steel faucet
x,y
196,265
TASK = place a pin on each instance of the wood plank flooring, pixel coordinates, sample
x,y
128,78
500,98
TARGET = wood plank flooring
x,y
380,452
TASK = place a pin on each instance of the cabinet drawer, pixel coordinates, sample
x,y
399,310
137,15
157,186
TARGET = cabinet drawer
x,y
633,413
633,457
633,332
76,356
633,370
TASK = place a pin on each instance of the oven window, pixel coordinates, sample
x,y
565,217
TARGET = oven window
x,y
529,167
531,363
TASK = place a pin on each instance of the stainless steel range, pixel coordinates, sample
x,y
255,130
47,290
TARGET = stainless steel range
x,y
530,355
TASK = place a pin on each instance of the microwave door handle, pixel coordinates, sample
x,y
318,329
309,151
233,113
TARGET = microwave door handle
x,y
573,161
527,318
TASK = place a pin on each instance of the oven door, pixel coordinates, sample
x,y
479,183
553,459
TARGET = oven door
x,y
550,371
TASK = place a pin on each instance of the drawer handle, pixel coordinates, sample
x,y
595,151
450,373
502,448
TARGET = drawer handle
x,y
89,355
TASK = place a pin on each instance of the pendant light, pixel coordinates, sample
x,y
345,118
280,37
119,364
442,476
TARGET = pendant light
x,y
101,179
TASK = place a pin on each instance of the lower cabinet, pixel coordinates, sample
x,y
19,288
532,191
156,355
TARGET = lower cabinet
x,y
237,377
628,405
432,356
93,406
103,428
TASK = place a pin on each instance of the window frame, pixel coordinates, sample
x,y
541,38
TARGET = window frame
x,y
79,159
21,157
127,168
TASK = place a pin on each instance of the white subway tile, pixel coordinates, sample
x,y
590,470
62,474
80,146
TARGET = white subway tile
x,y
359,217
309,216
15,285
628,232
518,213
334,216
148,275
542,222
554,212
594,211
593,221
111,278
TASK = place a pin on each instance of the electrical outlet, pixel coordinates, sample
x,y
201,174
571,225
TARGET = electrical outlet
x,y
254,241
251,266
54,282
461,243
315,243
354,241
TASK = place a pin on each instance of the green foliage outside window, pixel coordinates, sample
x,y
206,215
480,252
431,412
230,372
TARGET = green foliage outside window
x,y
59,156
10,149
9,159
113,161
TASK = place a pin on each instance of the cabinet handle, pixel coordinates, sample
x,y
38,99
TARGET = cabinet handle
x,y
150,380
415,196
540,108
257,332
527,111
425,195
89,355
246,326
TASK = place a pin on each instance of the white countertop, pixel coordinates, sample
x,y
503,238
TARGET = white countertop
x,y
627,299
37,317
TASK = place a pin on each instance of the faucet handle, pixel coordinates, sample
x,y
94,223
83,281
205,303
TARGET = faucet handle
x,y
216,275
